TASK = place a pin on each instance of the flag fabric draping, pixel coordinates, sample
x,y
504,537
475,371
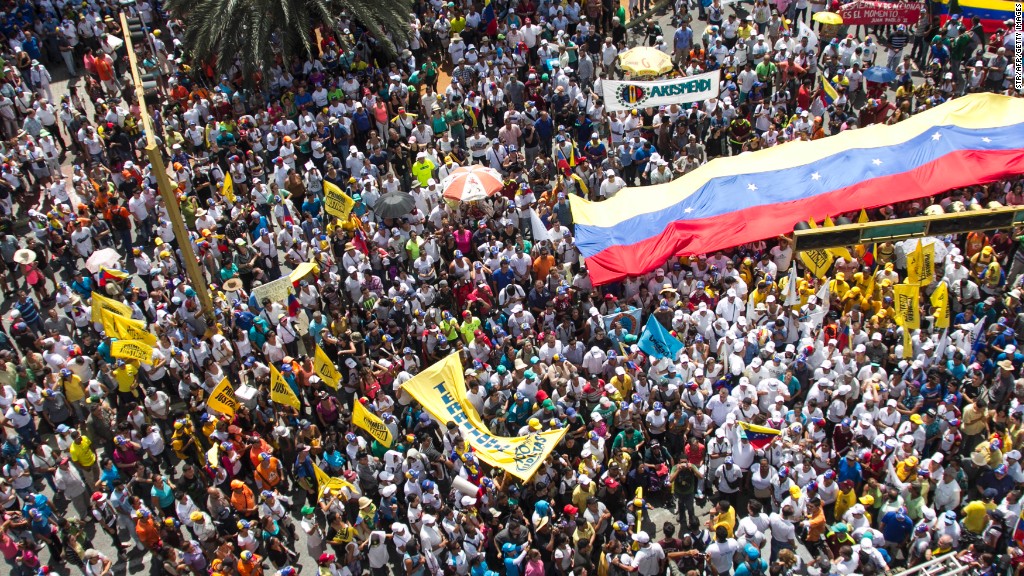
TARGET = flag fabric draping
x,y
730,201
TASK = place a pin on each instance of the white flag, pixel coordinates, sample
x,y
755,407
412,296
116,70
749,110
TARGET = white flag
x,y
791,291
540,232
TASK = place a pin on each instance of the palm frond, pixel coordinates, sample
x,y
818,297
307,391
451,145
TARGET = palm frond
x,y
244,30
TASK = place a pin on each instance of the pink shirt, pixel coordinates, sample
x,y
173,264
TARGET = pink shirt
x,y
534,568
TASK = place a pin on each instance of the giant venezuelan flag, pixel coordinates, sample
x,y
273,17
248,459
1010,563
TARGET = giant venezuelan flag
x,y
992,13
731,201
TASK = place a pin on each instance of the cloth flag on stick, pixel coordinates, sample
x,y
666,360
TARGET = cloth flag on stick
x,y
280,391
222,398
791,291
371,423
658,342
228,190
759,436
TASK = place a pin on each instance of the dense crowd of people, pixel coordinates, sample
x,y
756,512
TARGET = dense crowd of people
x,y
878,456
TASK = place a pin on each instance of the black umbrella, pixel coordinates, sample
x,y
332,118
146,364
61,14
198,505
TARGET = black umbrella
x,y
394,204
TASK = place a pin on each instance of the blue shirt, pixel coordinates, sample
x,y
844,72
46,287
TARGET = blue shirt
x,y
847,471
683,38
894,529
29,311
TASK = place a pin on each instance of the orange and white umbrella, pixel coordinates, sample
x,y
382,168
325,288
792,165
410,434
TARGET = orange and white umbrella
x,y
472,183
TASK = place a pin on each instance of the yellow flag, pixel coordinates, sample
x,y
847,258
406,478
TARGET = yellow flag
x,y
222,398
371,423
280,391
862,218
921,264
132,350
325,369
837,252
228,191
127,328
101,303
927,263
908,343
213,454
336,202
940,300
325,482
817,261
907,300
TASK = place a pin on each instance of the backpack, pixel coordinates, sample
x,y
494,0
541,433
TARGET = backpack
x,y
755,569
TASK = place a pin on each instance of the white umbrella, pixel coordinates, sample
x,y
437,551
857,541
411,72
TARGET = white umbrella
x,y
907,246
105,258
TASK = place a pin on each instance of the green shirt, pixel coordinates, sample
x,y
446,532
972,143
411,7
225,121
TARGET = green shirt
x,y
413,249
456,119
439,125
766,71
624,440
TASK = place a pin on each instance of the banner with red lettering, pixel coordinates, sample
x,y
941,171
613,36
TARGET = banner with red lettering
x,y
881,13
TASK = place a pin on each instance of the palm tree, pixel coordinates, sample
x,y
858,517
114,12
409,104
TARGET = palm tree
x,y
255,31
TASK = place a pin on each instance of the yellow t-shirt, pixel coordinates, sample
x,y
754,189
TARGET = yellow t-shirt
x,y
82,454
976,515
726,519
73,390
624,385
125,377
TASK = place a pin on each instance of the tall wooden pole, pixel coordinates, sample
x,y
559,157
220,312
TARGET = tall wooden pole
x,y
167,191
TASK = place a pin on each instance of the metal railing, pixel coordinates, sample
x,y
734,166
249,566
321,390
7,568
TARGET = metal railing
x,y
945,565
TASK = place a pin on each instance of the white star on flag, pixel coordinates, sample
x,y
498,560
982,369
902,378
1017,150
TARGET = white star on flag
x,y
986,140
936,137
877,162
751,187
816,176
688,210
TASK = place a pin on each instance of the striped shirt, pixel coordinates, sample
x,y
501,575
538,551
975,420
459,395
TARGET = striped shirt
x,y
29,311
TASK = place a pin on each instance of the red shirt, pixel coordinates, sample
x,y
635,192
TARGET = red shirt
x,y
695,456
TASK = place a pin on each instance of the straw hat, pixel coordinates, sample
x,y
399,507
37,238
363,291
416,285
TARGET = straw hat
x,y
24,256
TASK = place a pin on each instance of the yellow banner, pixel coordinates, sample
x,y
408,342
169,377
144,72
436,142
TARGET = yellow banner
x,y
940,300
441,390
280,391
817,261
907,299
132,350
222,398
371,423
325,369
127,328
908,343
336,202
921,265
325,482
101,303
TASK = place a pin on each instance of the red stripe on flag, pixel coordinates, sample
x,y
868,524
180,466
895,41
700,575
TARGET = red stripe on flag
x,y
689,237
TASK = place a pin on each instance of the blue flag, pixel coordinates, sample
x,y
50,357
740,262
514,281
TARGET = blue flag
x,y
658,342
629,319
